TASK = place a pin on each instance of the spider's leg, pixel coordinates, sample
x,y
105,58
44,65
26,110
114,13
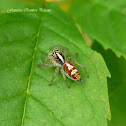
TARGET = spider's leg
x,y
57,46
82,67
66,50
45,59
54,76
61,48
71,57
64,77
45,65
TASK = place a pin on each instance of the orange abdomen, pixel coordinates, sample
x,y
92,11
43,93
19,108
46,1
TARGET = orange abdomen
x,y
72,71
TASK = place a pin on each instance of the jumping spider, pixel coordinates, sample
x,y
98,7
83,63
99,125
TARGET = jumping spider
x,y
58,60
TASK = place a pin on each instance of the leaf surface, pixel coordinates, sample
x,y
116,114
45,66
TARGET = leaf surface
x,y
104,21
25,97
116,85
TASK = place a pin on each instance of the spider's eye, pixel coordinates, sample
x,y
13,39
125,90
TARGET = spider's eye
x,y
53,54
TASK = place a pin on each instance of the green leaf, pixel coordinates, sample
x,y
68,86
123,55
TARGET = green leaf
x,y
25,97
104,21
116,85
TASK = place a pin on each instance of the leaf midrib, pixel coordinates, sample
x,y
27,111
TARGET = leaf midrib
x,y
29,80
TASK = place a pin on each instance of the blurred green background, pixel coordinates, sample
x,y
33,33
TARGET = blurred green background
x,y
115,63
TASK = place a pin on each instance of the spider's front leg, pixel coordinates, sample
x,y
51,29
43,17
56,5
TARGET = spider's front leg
x,y
71,57
45,59
61,48
82,67
54,76
45,65
64,77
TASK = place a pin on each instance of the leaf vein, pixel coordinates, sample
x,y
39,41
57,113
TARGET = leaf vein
x,y
38,33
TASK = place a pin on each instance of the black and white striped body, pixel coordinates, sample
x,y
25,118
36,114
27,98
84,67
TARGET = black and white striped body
x,y
58,58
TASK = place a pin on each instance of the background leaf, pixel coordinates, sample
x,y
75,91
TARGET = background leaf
x,y
104,21
25,97
116,85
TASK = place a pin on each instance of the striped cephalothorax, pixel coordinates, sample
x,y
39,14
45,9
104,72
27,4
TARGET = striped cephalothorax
x,y
57,59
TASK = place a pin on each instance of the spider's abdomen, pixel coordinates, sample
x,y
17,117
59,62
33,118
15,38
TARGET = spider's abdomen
x,y
72,71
